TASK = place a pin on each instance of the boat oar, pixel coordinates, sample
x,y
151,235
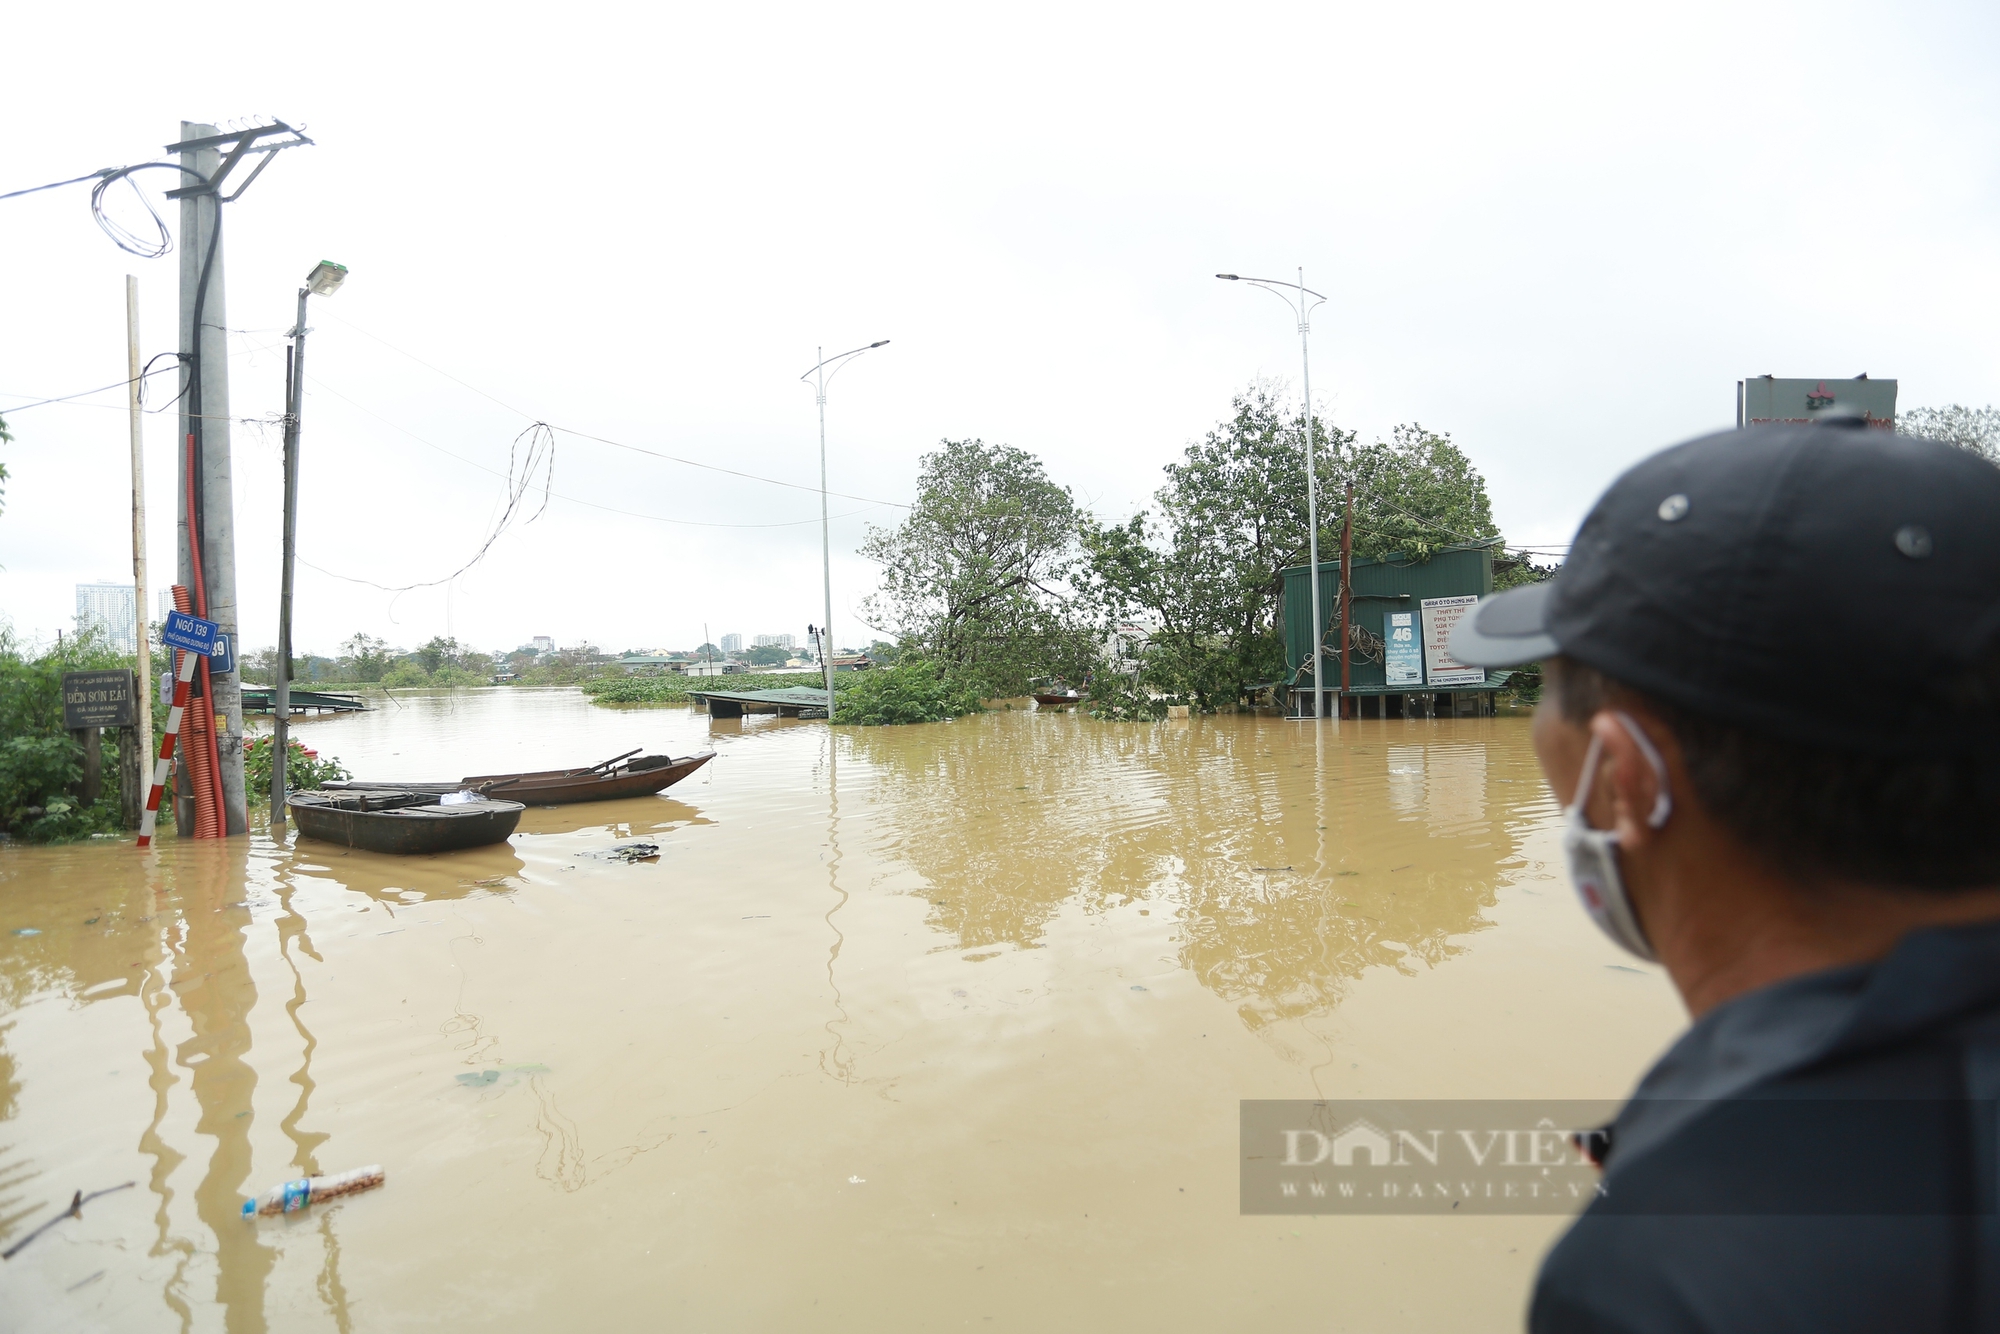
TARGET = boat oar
x,y
605,764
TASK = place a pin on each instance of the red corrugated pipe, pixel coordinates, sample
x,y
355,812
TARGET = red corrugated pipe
x,y
200,608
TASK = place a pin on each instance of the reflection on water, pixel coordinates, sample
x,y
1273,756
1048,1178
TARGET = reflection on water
x,y
514,1027
1291,873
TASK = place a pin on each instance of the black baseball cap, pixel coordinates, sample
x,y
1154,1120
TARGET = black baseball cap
x,y
1831,585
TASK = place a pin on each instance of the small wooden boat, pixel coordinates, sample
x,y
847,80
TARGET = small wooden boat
x,y
620,776
1053,701
403,822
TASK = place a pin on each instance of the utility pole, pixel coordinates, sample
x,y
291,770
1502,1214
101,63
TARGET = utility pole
x,y
1346,599
132,772
207,526
281,688
325,279
207,538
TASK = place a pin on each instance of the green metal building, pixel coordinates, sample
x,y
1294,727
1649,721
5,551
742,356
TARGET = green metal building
x,y
1394,584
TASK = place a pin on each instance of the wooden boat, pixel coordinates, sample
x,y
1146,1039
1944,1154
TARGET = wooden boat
x,y
403,822
1053,701
620,776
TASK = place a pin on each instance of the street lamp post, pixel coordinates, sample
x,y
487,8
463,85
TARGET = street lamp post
x,y
820,378
1295,295
324,280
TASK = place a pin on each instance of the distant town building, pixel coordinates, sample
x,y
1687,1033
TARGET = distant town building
x,y
542,644
639,662
720,667
769,641
852,662
734,643
166,600
112,608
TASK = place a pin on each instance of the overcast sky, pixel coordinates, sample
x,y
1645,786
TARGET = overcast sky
x,y
1558,233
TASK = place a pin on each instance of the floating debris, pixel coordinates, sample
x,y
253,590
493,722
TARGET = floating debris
x,y
75,1210
296,1195
640,851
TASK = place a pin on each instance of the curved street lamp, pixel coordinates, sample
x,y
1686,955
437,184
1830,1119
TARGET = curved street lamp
x,y
1295,296
819,377
324,280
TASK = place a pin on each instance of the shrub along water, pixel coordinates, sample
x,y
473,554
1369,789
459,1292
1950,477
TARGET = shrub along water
x,y
304,769
674,689
910,692
40,763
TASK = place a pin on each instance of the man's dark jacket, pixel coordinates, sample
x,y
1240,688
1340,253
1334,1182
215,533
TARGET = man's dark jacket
x,y
1817,1155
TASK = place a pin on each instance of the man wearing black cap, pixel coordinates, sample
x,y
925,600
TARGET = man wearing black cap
x,y
1773,718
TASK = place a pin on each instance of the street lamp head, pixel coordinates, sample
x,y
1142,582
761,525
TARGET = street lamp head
x,y
1229,277
326,278
883,343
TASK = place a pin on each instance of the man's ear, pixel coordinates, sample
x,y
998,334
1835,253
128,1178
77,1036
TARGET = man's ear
x,y
1626,775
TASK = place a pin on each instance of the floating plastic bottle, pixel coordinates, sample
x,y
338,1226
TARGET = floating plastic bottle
x,y
296,1195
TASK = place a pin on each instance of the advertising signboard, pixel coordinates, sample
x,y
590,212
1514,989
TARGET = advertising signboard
x,y
1440,615
1402,655
99,699
1769,399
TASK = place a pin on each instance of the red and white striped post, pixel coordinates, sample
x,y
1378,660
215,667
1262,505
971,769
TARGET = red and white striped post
x,y
183,681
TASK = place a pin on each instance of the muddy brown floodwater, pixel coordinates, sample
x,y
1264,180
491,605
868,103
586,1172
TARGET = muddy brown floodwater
x,y
941,1027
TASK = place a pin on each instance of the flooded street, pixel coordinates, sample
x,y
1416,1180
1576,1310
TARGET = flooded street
x,y
943,1027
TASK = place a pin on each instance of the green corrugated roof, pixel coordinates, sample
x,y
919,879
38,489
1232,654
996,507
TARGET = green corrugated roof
x,y
1379,586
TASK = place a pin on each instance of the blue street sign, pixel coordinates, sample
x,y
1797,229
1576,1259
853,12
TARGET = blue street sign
x,y
190,632
223,660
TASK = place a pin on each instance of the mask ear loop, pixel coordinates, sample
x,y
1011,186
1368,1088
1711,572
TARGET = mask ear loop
x,y
1580,803
1663,803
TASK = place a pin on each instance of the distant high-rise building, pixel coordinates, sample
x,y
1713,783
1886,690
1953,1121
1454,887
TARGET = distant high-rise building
x,y
543,644
166,605
114,609
734,643
773,641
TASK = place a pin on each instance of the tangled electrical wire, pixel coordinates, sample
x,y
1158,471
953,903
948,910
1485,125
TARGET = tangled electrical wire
x,y
538,453
122,236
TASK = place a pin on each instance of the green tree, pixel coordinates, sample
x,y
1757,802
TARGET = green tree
x,y
1414,493
976,578
1976,429
438,654
365,658
5,438
1206,569
770,655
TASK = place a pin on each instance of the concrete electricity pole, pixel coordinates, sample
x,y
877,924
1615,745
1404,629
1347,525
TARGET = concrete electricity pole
x,y
143,649
207,536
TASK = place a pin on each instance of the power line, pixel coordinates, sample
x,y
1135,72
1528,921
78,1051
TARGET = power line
x,y
57,185
615,444
86,393
574,500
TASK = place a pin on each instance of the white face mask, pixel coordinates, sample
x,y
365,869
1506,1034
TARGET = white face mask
x,y
1593,853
